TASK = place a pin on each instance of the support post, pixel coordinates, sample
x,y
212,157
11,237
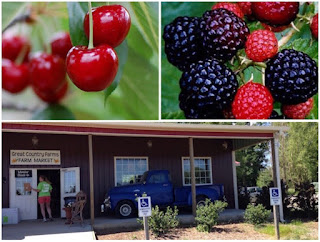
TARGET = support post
x,y
276,170
146,227
193,177
91,179
235,183
275,182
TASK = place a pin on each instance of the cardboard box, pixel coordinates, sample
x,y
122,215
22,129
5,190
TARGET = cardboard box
x,y
10,216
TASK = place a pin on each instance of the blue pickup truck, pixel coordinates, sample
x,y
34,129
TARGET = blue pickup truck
x,y
156,184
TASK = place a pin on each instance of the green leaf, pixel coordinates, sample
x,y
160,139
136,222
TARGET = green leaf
x,y
173,115
308,46
10,10
122,52
54,112
77,12
147,19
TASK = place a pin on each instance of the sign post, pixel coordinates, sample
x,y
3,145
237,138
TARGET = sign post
x,y
275,201
144,207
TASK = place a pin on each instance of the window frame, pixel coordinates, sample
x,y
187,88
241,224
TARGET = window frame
x,y
198,157
126,157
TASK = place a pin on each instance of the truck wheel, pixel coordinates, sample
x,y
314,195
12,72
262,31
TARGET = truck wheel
x,y
201,200
125,209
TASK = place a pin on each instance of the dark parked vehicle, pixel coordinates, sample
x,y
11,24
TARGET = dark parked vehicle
x,y
157,184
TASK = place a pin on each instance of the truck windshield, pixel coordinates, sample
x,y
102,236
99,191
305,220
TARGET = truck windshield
x,y
144,177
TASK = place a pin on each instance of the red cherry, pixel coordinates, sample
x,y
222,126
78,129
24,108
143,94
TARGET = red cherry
x,y
111,25
15,78
47,72
12,45
61,44
92,69
52,96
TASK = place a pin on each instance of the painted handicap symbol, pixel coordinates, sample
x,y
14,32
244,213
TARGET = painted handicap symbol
x,y
144,203
275,193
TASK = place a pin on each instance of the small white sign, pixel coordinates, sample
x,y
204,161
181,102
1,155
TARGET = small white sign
x,y
144,206
275,198
35,157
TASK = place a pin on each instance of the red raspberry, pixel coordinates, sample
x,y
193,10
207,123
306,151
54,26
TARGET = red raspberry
x,y
252,101
298,111
314,26
245,8
231,7
276,29
275,13
261,45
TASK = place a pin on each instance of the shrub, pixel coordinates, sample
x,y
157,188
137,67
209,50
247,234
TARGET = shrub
x,y
208,214
162,222
256,214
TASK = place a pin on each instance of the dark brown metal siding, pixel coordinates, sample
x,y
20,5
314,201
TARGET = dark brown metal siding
x,y
73,151
165,153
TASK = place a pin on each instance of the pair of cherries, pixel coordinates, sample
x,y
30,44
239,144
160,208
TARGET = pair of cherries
x,y
94,69
46,73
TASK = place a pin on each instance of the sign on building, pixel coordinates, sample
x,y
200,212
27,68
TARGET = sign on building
x,y
144,206
35,157
274,196
23,173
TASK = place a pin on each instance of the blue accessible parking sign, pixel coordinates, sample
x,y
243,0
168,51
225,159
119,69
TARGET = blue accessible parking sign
x,y
274,196
144,206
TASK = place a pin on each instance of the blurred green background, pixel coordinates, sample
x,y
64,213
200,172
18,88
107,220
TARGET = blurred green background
x,y
134,93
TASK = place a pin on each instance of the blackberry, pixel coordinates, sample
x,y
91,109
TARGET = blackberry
x,y
292,77
223,33
182,42
207,88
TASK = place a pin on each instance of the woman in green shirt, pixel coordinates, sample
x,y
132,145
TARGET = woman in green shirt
x,y
44,189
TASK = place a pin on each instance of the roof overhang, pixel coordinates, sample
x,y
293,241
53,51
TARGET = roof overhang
x,y
146,129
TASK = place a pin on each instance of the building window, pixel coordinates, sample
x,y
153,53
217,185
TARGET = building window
x,y
203,171
70,182
129,169
23,186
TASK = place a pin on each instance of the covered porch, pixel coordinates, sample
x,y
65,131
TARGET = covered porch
x,y
232,138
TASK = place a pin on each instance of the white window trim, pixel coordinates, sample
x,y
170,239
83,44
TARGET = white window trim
x,y
198,157
126,157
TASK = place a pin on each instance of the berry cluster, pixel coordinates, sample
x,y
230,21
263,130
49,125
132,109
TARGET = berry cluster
x,y
45,73
209,89
90,69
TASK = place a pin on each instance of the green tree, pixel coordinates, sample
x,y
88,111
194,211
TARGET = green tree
x,y
264,178
298,152
252,160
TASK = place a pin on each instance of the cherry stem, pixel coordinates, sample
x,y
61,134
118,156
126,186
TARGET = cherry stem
x,y
90,46
21,56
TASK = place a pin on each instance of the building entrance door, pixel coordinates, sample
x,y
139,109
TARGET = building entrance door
x,y
53,176
21,196
70,184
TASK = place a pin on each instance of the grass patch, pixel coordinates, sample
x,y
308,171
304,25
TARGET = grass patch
x,y
295,230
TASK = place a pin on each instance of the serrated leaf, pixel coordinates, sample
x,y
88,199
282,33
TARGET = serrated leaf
x,y
54,112
308,46
10,10
122,52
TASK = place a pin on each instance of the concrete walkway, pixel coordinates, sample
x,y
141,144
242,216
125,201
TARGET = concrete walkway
x,y
112,223
56,230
